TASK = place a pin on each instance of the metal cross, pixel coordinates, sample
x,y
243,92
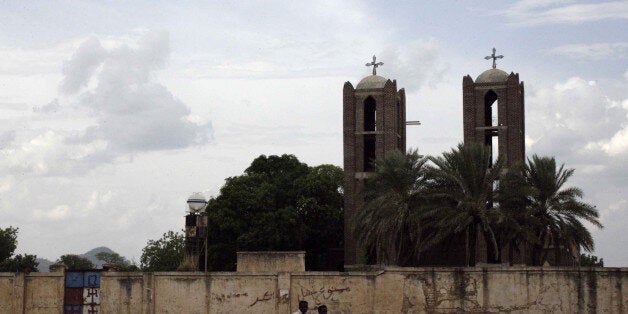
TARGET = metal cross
x,y
375,65
494,57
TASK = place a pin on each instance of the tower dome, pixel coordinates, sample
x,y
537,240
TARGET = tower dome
x,y
492,76
372,81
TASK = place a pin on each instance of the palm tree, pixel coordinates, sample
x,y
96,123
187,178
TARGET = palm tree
x,y
461,188
390,223
558,209
515,224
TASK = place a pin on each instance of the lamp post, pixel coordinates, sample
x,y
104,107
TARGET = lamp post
x,y
197,203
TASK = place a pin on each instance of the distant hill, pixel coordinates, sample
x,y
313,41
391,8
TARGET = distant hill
x,y
43,264
90,255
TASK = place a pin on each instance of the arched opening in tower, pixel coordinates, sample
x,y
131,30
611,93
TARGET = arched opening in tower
x,y
370,125
370,114
491,119
491,104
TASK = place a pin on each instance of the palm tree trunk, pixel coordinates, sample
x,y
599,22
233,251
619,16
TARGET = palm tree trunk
x,y
393,253
557,253
466,247
539,249
399,250
473,244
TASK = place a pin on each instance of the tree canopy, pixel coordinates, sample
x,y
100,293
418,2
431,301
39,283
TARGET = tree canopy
x,y
75,262
279,203
390,224
591,261
461,186
463,196
164,254
8,242
557,209
20,263
17,263
116,259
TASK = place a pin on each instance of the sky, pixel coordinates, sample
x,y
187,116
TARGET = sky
x,y
112,113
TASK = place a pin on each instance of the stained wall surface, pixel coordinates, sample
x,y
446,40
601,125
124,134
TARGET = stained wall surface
x,y
293,261
391,290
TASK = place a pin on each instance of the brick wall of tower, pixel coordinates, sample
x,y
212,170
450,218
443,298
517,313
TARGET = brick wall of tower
x,y
402,120
389,135
510,115
468,109
522,118
516,135
349,116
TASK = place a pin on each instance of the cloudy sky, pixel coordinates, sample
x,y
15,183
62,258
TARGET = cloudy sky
x,y
113,113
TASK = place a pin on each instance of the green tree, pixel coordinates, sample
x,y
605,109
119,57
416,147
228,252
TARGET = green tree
x,y
20,263
319,207
112,258
279,203
164,254
75,262
558,210
391,222
461,187
591,261
8,242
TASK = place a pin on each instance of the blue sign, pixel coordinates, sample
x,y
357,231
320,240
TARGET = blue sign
x,y
91,279
74,279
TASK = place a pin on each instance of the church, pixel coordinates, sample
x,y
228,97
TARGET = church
x,y
374,124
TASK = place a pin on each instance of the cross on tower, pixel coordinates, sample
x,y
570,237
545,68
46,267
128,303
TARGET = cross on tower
x,y
375,65
494,57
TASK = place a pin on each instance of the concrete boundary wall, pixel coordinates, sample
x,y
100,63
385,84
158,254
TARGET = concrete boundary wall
x,y
391,290
32,293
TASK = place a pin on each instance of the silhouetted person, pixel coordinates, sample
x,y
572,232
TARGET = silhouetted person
x,y
322,309
303,306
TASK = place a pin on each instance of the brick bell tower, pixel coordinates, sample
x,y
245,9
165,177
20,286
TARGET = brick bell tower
x,y
493,112
374,123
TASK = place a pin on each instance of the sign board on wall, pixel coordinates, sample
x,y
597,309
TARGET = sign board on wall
x,y
82,292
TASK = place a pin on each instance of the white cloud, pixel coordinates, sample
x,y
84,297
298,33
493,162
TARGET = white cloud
x,y
539,12
57,213
27,62
6,183
414,64
78,70
35,154
598,51
571,114
618,144
134,113
110,106
576,122
97,201
296,40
